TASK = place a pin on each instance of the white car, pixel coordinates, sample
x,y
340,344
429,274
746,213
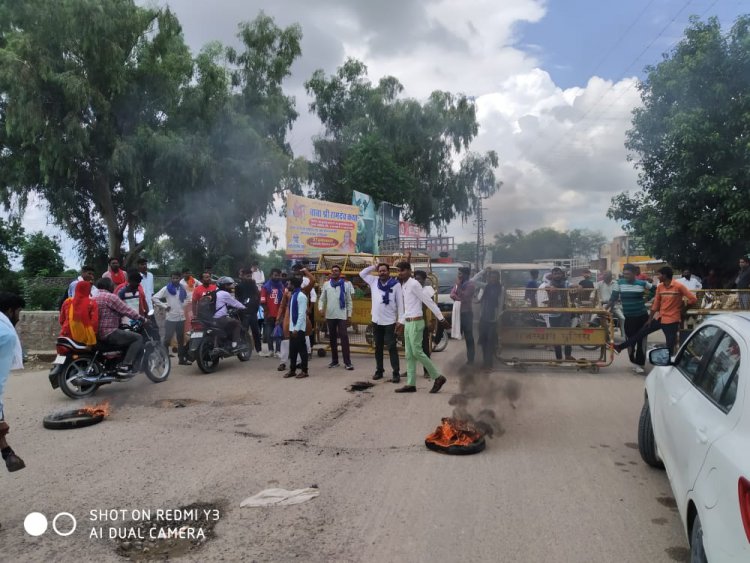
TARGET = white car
x,y
695,423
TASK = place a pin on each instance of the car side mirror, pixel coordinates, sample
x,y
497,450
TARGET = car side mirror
x,y
660,357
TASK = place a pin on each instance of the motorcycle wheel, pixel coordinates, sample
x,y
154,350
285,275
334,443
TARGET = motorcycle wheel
x,y
247,354
156,362
206,363
79,368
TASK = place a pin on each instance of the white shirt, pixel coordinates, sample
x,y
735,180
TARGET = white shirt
x,y
74,283
383,314
604,290
414,297
147,282
313,294
692,284
259,278
176,311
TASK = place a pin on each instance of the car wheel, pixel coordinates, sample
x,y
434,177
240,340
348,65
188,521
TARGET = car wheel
x,y
697,553
646,440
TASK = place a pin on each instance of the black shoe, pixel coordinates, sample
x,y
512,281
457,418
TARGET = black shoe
x,y
185,362
396,378
13,462
407,389
349,367
303,374
124,372
281,367
439,382
333,365
289,374
377,376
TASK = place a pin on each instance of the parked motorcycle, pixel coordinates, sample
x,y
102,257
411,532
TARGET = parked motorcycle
x,y
209,343
79,370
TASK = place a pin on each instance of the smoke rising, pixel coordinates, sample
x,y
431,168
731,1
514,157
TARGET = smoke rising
x,y
481,398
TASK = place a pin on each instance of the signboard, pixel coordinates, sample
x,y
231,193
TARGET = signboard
x,y
365,222
314,226
387,224
411,230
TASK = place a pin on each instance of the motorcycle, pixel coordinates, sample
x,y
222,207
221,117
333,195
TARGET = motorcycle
x,y
79,370
209,343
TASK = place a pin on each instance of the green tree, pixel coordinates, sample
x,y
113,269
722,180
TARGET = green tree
x,y
41,256
690,142
466,251
396,149
11,241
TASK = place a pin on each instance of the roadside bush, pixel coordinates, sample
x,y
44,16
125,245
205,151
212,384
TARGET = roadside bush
x,y
41,297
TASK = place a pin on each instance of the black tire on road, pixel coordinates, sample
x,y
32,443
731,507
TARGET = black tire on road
x,y
156,362
78,368
646,440
473,448
206,363
697,551
70,419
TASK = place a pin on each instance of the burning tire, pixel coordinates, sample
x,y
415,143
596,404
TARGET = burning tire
x,y
71,419
456,437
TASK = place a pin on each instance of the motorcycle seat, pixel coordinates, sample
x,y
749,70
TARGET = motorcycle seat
x,y
72,344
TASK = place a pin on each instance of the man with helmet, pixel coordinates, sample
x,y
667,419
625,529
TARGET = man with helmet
x,y
224,300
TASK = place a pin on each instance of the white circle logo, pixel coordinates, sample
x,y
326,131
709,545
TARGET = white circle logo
x,y
35,524
72,529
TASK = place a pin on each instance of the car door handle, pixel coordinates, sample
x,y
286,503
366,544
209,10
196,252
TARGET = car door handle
x,y
702,436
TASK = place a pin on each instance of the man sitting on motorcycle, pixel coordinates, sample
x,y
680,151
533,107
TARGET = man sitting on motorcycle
x,y
111,310
224,299
133,294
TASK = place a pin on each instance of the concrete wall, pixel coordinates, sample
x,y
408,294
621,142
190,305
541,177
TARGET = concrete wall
x,y
38,330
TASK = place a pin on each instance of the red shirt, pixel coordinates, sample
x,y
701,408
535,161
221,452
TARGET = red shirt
x,y
117,278
271,300
199,292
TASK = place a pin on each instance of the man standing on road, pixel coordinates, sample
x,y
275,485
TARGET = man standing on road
x,y
11,357
172,298
463,291
87,274
742,282
630,294
387,302
257,274
147,281
188,283
111,311
586,285
115,273
270,299
490,308
558,291
411,323
297,327
668,304
604,290
248,294
689,280
336,305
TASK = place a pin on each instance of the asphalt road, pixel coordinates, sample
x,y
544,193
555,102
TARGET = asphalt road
x,y
564,481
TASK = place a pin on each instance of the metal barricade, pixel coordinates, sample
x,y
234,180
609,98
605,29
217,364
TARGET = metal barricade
x,y
713,302
555,327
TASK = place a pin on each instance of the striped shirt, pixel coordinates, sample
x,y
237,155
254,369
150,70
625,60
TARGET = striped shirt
x,y
632,296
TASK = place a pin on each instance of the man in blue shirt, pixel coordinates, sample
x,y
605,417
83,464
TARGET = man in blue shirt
x,y
11,357
297,327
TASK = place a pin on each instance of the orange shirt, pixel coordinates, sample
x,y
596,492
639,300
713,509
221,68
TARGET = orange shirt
x,y
668,301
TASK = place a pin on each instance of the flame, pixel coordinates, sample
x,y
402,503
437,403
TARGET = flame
x,y
102,409
454,432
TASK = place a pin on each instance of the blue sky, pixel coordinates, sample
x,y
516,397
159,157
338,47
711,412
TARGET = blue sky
x,y
579,38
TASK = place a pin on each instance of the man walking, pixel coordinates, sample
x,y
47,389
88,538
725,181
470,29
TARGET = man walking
x,y
114,273
463,292
630,293
387,302
270,299
668,305
490,309
147,281
11,357
111,311
172,298
336,305
411,323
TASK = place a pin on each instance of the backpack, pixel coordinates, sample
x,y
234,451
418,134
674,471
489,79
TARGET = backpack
x,y
206,308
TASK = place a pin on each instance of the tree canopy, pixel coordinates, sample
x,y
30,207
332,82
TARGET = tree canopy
x,y
395,149
41,256
690,142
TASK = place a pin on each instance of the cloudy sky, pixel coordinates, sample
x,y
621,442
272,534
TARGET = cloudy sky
x,y
554,81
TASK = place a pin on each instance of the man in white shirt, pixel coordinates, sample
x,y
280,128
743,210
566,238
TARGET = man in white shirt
x,y
387,304
604,290
258,275
336,305
690,281
147,282
172,299
411,322
87,274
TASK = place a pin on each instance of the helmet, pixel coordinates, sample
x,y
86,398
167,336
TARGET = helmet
x,y
224,280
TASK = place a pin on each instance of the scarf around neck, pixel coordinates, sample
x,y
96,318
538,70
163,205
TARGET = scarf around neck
x,y
173,289
342,291
295,306
387,288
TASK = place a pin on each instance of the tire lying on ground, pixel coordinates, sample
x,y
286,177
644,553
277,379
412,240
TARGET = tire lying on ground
x,y
473,448
70,419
